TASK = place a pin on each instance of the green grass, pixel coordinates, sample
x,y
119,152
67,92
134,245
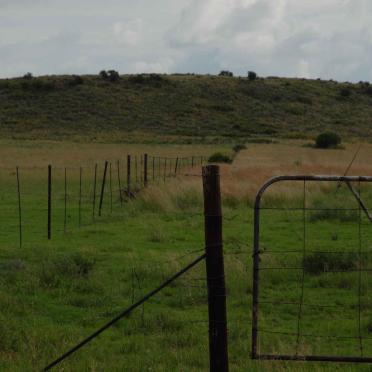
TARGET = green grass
x,y
180,108
55,293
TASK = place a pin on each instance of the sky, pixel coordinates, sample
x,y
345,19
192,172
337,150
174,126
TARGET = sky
x,y
328,39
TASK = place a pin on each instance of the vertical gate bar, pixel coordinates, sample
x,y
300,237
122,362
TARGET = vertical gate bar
x,y
256,260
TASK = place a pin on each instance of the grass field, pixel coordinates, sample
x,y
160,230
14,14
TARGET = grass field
x,y
52,294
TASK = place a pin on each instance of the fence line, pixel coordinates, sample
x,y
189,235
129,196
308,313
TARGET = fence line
x,y
68,193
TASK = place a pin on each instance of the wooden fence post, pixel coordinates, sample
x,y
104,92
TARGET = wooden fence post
x,y
49,202
102,189
128,175
145,180
218,353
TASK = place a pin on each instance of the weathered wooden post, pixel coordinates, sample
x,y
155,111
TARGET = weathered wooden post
x,y
218,353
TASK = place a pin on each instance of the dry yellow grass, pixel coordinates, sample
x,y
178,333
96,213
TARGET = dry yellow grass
x,y
252,167
61,154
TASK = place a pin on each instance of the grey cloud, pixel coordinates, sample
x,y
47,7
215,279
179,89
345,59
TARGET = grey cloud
x,y
313,38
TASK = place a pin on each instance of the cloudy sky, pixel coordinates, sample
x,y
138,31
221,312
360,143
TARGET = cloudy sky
x,y
306,38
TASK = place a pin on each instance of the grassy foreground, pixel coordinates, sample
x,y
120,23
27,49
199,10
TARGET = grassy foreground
x,y
55,293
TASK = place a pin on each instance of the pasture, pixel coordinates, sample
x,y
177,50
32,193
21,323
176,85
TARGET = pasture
x,y
54,293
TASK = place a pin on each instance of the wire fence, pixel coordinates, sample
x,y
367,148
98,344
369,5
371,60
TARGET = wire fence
x,y
49,202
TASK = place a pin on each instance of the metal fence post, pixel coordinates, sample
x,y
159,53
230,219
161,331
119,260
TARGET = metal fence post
x,y
102,189
218,353
129,175
49,202
145,180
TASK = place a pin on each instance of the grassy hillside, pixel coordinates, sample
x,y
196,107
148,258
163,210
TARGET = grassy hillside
x,y
185,108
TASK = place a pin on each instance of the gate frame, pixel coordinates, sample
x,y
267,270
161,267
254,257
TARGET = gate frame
x,y
256,263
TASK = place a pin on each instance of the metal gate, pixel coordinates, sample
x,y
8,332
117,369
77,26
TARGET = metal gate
x,y
311,287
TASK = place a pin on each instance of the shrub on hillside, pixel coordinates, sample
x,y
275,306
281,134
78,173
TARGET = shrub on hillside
x,y
155,80
252,75
218,157
345,92
226,73
28,76
76,80
110,75
38,85
239,147
103,75
327,140
113,75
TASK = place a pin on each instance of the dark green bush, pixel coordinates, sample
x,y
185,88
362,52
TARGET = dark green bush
x,y
28,76
239,147
252,75
36,84
113,75
319,262
110,75
155,80
226,73
76,80
327,140
218,157
345,92
103,75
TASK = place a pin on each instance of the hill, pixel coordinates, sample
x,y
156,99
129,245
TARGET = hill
x,y
185,108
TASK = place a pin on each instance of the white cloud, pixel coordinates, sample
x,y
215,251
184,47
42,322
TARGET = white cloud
x,y
312,38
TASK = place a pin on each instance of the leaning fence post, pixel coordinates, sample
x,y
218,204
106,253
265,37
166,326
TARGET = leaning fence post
x,y
176,167
49,202
218,354
145,181
102,189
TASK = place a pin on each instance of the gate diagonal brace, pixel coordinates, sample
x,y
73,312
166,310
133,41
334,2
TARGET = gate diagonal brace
x,y
359,200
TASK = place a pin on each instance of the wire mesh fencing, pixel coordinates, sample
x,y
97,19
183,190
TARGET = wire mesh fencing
x,y
312,270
